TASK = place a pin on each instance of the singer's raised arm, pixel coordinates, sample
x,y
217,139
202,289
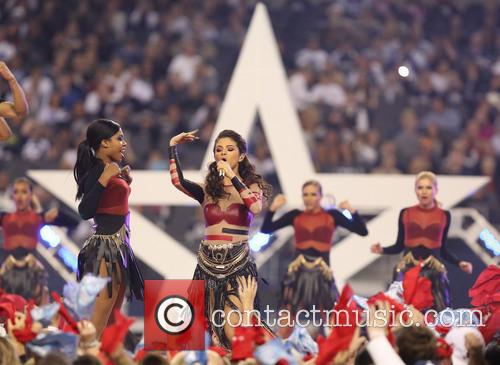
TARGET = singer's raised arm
x,y
252,197
188,187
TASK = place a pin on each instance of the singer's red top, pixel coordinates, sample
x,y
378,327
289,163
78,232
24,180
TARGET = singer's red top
x,y
236,209
235,214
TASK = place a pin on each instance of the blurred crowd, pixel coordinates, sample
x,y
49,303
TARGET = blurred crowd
x,y
380,86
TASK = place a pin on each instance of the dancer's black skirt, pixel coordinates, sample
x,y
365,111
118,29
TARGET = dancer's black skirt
x,y
24,276
219,268
308,284
118,256
435,271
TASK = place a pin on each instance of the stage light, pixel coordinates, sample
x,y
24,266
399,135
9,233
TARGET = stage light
x,y
403,71
347,214
258,241
490,242
48,235
68,258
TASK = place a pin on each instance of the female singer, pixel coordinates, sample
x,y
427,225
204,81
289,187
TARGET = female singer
x,y
230,196
422,234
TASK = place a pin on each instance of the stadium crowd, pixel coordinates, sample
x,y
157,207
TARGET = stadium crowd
x,y
381,86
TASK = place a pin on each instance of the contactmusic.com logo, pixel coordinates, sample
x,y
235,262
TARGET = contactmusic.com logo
x,y
174,315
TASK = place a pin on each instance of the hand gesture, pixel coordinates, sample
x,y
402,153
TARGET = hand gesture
x,y
184,137
5,72
125,172
465,266
247,289
226,168
377,248
51,215
378,319
278,201
110,170
18,324
341,358
345,205
348,356
88,333
35,203
472,342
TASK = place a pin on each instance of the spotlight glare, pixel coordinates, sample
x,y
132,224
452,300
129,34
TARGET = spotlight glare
x,y
48,235
403,71
258,241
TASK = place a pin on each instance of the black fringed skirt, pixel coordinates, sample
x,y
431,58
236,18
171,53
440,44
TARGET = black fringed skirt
x,y
308,284
24,276
219,266
118,256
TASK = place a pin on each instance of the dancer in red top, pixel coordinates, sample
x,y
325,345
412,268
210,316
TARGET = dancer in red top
x,y
16,110
309,281
104,188
422,234
21,273
231,196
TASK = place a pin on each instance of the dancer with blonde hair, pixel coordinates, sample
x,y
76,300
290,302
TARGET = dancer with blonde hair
x,y
422,234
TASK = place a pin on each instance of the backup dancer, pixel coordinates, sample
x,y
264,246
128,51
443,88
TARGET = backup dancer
x,y
104,188
17,109
231,196
422,235
21,273
309,280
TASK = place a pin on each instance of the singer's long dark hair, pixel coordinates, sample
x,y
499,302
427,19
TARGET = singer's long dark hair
x,y
86,159
214,185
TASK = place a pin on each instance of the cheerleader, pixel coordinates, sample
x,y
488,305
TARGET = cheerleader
x,y
21,273
309,281
422,235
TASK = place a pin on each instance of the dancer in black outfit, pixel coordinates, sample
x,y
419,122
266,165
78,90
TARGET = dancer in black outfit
x,y
422,235
104,188
309,281
21,272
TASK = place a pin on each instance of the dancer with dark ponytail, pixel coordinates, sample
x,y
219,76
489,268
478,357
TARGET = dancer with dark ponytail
x,y
422,235
231,196
21,272
16,110
103,190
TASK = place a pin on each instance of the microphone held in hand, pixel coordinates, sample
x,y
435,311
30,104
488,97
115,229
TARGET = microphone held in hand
x,y
222,172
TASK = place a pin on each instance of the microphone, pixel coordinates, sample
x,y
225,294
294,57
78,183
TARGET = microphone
x,y
222,173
